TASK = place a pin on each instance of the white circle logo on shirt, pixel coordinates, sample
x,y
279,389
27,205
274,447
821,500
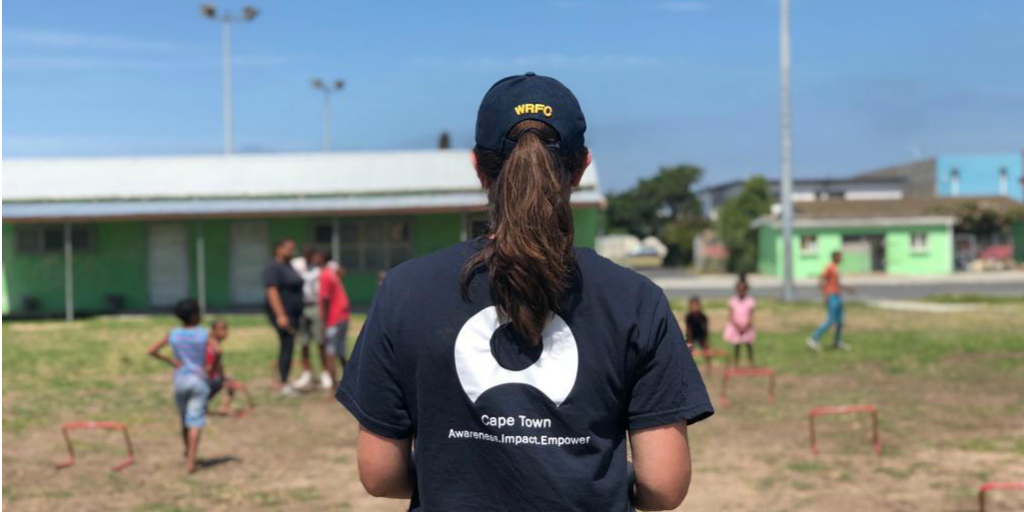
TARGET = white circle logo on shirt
x,y
553,374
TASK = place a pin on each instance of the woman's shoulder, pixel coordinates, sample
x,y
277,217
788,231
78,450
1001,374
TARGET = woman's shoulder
x,y
603,274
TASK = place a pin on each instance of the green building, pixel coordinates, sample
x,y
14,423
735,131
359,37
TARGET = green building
x,y
911,236
138,234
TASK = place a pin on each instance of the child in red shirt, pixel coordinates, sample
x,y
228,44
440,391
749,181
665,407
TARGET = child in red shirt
x,y
217,379
334,310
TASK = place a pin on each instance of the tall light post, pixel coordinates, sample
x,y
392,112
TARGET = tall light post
x,y
785,142
226,19
327,89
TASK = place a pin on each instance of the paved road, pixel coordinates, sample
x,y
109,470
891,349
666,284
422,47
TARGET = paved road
x,y
679,284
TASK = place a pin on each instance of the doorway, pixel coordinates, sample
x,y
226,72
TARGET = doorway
x,y
167,264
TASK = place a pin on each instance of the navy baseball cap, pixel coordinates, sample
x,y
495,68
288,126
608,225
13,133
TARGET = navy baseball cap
x,y
529,96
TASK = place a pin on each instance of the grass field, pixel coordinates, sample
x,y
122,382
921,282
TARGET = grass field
x,y
950,388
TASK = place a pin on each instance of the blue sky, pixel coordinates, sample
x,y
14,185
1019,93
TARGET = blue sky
x,y
661,82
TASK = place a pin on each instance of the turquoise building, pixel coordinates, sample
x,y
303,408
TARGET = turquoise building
x,y
994,174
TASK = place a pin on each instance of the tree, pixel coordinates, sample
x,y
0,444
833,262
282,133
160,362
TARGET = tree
x,y
664,206
983,219
734,219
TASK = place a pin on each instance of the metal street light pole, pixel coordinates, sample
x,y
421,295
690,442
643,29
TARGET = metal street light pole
x,y
327,90
226,19
786,178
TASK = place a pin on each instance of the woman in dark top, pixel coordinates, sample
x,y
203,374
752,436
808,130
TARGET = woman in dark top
x,y
284,305
516,363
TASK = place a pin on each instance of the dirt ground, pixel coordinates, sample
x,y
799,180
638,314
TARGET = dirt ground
x,y
952,417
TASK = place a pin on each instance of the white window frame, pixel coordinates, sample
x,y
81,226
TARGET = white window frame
x,y
811,248
918,247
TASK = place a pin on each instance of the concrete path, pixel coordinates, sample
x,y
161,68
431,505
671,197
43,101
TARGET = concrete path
x,y
678,284
922,307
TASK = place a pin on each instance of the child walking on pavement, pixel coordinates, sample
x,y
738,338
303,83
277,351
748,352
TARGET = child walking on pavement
x,y
832,294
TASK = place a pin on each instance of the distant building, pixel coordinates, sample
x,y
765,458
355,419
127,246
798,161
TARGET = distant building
x,y
913,236
917,178
997,174
977,175
710,254
808,189
630,251
139,234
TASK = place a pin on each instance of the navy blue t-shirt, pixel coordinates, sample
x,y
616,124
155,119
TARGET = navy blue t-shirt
x,y
503,425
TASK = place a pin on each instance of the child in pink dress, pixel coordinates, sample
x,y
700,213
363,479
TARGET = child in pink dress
x,y
739,330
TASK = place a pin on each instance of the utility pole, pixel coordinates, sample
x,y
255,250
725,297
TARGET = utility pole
x,y
785,143
226,19
320,85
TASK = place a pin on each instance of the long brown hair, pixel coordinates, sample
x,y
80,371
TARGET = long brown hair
x,y
529,257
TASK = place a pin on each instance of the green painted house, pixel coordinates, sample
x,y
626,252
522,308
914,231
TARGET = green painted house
x,y
911,236
138,234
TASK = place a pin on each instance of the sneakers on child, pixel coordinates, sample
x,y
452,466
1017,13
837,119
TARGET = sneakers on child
x,y
813,345
843,346
326,382
304,380
289,390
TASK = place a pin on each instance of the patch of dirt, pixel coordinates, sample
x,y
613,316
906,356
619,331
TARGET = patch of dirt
x,y
752,455
945,429
295,454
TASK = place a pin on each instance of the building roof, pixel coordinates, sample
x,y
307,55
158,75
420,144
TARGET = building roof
x,y
249,184
909,207
822,183
908,211
918,177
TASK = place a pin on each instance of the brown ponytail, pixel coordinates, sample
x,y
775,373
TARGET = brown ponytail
x,y
529,256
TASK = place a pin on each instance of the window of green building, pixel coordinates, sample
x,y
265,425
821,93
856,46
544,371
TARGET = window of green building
x,y
808,244
40,239
369,245
919,241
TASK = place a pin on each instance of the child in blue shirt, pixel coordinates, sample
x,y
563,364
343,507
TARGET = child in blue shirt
x,y
191,387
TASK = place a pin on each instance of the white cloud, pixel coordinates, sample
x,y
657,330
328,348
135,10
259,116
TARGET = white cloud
x,y
68,62
74,41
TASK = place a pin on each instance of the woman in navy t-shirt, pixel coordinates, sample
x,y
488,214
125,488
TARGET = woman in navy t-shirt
x,y
515,364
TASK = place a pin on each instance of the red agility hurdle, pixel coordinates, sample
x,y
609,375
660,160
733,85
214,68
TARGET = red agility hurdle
x,y
710,353
748,372
846,409
92,425
996,486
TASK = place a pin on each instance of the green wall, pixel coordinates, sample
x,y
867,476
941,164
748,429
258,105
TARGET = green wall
x,y
6,300
117,263
767,250
37,275
587,225
115,266
435,231
935,259
218,253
